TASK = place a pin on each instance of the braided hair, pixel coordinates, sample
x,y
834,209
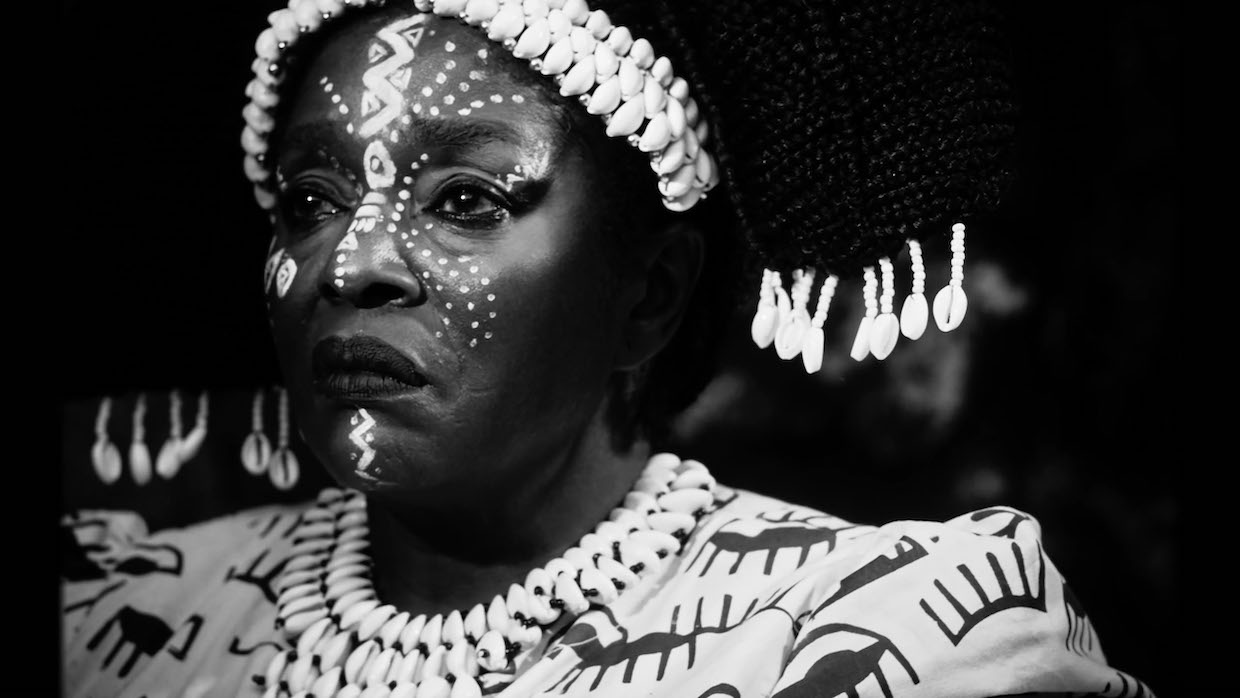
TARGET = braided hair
x,y
842,128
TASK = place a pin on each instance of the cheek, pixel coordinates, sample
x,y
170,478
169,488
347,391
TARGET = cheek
x,y
462,287
279,273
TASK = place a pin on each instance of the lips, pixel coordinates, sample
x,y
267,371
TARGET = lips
x,y
362,368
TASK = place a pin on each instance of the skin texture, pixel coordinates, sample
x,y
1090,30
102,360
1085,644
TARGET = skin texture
x,y
453,220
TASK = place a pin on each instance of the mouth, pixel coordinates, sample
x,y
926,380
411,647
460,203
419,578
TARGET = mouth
x,y
362,368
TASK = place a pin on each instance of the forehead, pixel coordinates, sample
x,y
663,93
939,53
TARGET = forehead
x,y
382,73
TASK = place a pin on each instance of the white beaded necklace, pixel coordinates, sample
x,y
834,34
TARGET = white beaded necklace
x,y
346,643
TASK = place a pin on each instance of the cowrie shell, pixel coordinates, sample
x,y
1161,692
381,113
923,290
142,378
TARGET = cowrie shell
x,y
812,349
583,42
358,660
390,631
294,625
861,343
107,460
576,10
411,635
686,501
914,315
492,651
559,58
283,467
658,541
672,158
379,666
620,40
335,651
603,591
671,522
632,554
407,668
506,24
497,615
432,666
642,53
466,687
654,96
640,502
606,97
763,328
448,8
616,571
628,118
675,118
348,599
679,183
950,304
534,40
355,613
883,335
432,632
693,477
790,336
566,590
478,11
579,79
558,24
140,462
606,62
599,24
369,625
453,628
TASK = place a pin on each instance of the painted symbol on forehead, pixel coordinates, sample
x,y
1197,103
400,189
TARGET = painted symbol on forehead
x,y
362,438
383,98
380,169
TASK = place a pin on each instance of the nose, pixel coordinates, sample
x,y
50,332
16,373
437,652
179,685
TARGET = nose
x,y
366,269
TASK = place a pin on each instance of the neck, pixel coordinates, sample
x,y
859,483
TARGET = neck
x,y
436,563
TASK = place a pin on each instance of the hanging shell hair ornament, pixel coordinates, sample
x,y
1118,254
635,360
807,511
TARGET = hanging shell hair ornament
x,y
193,441
178,449
168,462
951,303
139,454
256,449
785,319
104,454
284,468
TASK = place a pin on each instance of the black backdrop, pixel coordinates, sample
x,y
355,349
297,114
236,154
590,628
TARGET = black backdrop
x,y
1053,399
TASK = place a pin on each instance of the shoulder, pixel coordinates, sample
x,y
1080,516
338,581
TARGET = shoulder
x,y
941,608
110,557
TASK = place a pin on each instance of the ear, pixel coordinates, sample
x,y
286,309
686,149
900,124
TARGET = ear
x,y
656,297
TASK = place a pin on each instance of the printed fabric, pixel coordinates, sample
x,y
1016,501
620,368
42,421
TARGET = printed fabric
x,y
766,599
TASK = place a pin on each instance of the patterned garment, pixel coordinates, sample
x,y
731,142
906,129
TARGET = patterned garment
x,y
767,599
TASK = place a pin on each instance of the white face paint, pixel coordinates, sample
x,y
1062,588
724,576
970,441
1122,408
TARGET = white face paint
x,y
362,437
285,275
273,263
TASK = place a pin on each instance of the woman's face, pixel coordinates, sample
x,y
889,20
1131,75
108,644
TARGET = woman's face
x,y
436,284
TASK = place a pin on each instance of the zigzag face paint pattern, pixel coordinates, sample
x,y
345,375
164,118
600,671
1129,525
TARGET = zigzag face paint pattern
x,y
362,437
444,212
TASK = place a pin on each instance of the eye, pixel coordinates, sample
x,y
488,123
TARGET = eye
x,y
307,208
469,203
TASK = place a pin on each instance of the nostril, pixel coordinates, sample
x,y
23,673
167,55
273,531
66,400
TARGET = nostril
x,y
379,294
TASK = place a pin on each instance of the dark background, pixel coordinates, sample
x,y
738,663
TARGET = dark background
x,y
1053,396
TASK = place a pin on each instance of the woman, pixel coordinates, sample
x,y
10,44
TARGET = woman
x,y
505,237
